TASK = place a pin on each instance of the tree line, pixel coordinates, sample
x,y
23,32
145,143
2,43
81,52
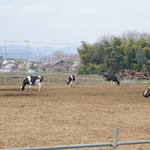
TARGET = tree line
x,y
112,54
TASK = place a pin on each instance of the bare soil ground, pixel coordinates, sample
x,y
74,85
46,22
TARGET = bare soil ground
x,y
82,114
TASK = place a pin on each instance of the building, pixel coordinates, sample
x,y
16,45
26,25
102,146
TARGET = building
x,y
10,65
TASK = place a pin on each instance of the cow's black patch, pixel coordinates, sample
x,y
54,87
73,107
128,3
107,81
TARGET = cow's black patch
x,y
111,77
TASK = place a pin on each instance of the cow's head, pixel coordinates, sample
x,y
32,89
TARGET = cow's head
x,y
147,93
68,81
22,87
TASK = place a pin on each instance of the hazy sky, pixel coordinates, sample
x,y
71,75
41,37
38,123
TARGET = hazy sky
x,y
71,20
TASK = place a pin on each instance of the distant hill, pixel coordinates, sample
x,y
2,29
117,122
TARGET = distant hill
x,y
20,51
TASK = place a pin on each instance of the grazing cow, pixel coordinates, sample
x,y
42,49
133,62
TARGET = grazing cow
x,y
147,93
111,77
32,80
70,79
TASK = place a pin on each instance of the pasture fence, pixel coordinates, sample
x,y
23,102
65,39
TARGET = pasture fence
x,y
113,144
17,78
14,79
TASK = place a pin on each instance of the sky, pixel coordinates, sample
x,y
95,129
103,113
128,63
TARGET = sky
x,y
59,21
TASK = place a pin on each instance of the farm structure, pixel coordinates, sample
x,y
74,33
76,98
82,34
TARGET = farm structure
x,y
82,114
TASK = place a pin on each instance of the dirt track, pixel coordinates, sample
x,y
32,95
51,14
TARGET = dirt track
x,y
62,115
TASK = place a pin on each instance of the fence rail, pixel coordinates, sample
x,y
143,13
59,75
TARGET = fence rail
x,y
11,79
7,79
113,144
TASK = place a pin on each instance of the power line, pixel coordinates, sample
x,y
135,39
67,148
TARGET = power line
x,y
11,41
39,42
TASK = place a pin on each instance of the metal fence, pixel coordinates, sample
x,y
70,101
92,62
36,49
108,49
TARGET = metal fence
x,y
16,79
113,144
6,79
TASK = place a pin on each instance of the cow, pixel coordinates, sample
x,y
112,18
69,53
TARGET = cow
x,y
146,93
70,80
111,77
32,80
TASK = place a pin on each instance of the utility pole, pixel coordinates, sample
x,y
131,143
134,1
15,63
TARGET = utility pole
x,y
39,61
27,47
51,63
67,43
5,48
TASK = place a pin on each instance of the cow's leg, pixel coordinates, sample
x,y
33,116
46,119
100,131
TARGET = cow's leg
x,y
106,83
22,87
28,87
71,82
113,83
40,86
103,81
25,87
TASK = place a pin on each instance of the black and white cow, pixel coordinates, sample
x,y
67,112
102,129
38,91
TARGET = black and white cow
x,y
32,80
70,79
111,77
147,93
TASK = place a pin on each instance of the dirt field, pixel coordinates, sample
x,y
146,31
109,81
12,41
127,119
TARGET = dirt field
x,y
82,114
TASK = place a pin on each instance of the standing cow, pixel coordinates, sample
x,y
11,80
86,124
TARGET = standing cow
x,y
147,93
70,79
32,80
111,77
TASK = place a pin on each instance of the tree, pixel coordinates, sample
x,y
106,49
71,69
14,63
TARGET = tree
x,y
58,54
86,53
113,54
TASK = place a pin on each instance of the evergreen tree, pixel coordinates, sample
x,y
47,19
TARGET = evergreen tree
x,y
113,54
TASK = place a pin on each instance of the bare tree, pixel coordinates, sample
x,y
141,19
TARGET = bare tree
x,y
58,54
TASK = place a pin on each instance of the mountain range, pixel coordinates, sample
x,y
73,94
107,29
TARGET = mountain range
x,y
34,53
